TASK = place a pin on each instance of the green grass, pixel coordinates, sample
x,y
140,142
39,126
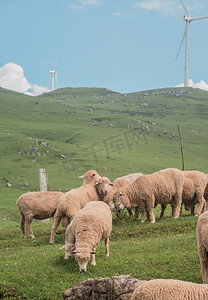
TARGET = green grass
x,y
33,269
114,134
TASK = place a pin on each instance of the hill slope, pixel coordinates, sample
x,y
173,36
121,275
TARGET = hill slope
x,y
70,131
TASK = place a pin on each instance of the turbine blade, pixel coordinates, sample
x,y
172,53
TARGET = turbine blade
x,y
200,18
181,43
186,10
59,62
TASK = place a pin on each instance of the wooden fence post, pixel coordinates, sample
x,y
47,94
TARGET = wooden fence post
x,y
181,142
43,180
43,186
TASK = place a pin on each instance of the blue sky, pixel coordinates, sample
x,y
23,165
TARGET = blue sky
x,y
124,46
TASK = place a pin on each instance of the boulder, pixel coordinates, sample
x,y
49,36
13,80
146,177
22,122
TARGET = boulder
x,y
113,288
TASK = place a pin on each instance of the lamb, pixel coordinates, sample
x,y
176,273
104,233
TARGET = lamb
x,y
71,202
170,289
164,186
194,188
36,205
120,182
202,244
91,224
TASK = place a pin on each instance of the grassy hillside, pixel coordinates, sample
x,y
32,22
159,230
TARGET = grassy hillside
x,y
70,131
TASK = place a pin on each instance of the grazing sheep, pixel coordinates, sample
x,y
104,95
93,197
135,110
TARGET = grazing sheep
x,y
91,224
170,289
194,187
36,205
120,182
90,177
71,202
103,185
195,183
164,187
202,243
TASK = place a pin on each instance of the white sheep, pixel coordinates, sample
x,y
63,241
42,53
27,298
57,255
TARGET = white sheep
x,y
202,243
195,183
71,202
170,289
37,205
120,182
90,177
194,187
164,187
91,224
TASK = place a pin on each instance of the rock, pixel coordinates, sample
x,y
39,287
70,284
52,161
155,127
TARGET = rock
x,y
114,288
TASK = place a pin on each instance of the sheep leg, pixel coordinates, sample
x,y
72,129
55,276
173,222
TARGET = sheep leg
x,y
150,207
93,262
143,215
163,207
181,210
176,206
129,211
107,247
28,221
70,242
56,222
201,202
203,254
192,211
136,212
22,225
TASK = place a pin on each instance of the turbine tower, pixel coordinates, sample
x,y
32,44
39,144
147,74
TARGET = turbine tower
x,y
53,76
187,18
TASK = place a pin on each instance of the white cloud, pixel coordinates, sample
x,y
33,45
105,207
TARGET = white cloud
x,y
92,2
12,77
37,90
199,85
119,14
76,7
162,6
82,4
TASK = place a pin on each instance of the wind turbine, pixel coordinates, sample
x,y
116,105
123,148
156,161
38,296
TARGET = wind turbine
x,y
53,78
187,18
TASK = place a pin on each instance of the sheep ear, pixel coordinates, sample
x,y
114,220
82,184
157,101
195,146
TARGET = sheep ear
x,y
111,184
74,252
81,176
92,252
63,247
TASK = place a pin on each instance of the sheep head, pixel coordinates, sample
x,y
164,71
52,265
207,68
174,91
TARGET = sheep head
x,y
82,257
103,186
118,200
90,177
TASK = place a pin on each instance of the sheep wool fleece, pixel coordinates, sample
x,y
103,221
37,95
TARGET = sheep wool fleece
x,y
169,289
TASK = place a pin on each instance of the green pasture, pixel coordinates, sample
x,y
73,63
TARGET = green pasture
x,y
70,131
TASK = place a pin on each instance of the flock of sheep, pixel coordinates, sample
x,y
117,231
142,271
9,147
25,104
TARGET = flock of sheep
x,y
86,214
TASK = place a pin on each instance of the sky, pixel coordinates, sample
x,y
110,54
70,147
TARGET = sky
x,y
122,45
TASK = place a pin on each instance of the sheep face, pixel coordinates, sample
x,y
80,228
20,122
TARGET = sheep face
x,y
119,199
82,258
103,186
69,250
